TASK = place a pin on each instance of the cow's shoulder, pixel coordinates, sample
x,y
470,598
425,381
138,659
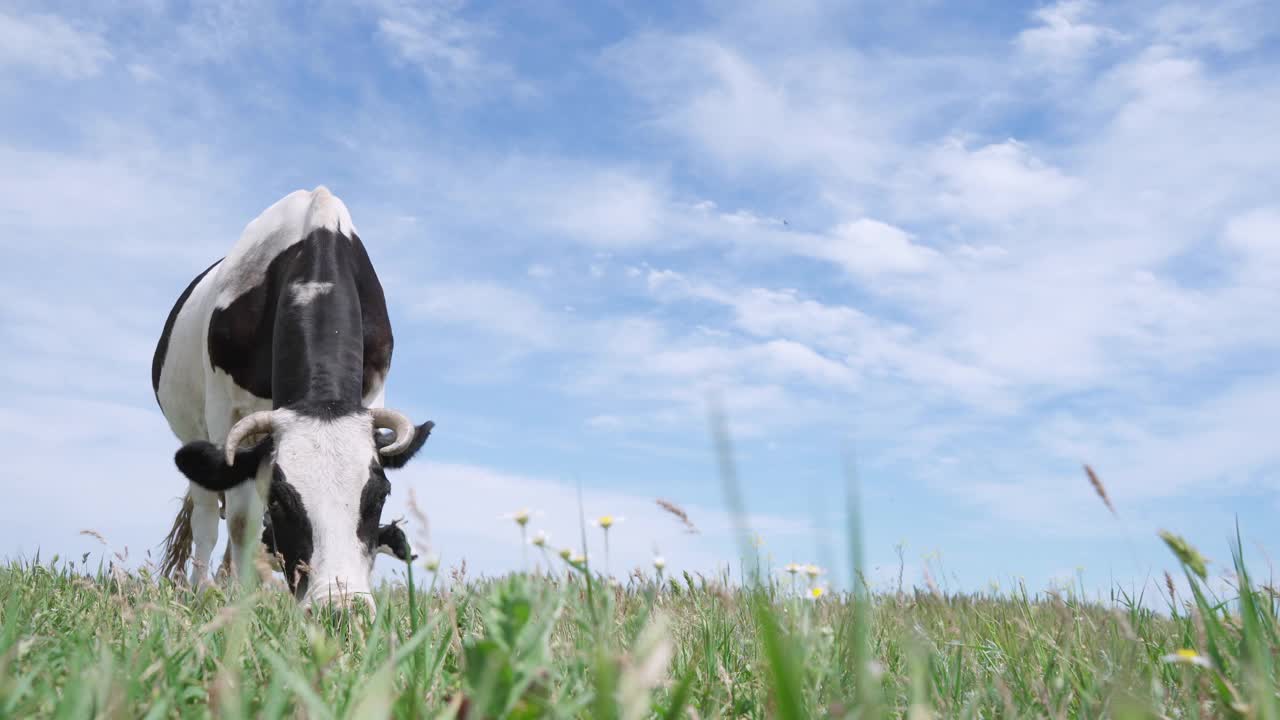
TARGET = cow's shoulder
x,y
280,227
241,334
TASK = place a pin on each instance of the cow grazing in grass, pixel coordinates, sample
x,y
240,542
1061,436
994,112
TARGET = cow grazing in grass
x,y
270,369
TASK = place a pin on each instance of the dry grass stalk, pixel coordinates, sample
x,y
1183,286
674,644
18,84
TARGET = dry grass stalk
x,y
680,514
1173,593
928,581
1100,489
94,534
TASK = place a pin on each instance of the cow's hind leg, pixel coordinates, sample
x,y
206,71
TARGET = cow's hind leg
x,y
204,531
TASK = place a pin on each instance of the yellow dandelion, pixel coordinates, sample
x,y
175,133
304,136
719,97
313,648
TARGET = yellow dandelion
x,y
1186,656
607,521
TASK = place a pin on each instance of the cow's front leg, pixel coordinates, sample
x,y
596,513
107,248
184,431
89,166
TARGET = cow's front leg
x,y
204,532
244,522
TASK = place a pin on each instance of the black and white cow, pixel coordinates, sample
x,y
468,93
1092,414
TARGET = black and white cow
x,y
270,369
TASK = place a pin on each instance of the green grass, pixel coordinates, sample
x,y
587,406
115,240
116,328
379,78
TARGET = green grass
x,y
80,642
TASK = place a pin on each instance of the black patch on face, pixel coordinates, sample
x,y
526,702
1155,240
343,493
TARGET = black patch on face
x,y
372,497
162,347
288,531
395,462
205,465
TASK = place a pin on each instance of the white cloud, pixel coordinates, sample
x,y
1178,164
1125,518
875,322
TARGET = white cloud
x,y
996,182
866,346
50,44
868,248
1063,39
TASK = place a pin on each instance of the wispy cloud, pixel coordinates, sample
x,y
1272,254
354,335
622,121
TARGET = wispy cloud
x,y
50,44
436,38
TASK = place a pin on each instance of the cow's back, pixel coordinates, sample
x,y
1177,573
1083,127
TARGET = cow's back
x,y
194,380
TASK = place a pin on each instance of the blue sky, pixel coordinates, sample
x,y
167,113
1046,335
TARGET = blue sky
x,y
979,243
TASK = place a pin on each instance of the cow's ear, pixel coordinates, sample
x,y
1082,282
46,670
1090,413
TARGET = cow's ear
x,y
397,461
391,541
203,464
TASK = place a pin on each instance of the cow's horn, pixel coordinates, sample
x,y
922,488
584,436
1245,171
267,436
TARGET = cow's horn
x,y
397,423
259,422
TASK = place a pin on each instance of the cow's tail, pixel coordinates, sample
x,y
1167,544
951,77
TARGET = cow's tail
x,y
177,544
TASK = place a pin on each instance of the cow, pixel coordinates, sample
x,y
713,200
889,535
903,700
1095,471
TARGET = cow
x,y
270,370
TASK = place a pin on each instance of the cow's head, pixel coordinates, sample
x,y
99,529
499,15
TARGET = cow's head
x,y
324,491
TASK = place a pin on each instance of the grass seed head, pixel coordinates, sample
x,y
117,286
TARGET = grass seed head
x,y
1186,554
1099,488
679,513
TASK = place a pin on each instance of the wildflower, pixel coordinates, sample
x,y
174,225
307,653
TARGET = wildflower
x,y
565,553
521,516
1186,656
812,571
540,539
659,562
432,562
793,568
578,559
816,592
605,522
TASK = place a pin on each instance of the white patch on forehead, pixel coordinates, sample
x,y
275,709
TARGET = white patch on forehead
x,y
327,462
278,228
305,292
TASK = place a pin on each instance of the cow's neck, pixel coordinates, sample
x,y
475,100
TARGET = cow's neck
x,y
318,343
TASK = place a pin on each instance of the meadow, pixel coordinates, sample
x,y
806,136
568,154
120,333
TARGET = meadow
x,y
96,641
570,641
